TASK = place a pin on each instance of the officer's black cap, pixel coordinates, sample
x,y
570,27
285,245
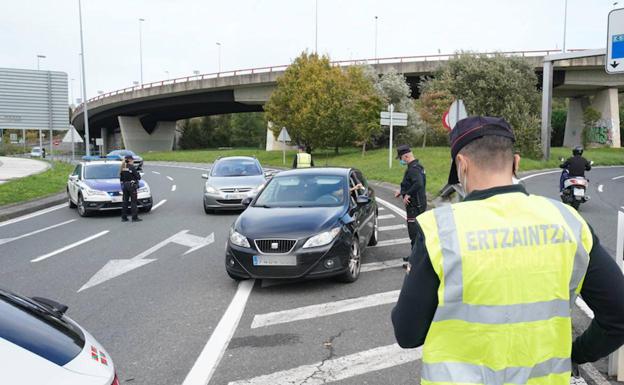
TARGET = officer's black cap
x,y
402,150
471,128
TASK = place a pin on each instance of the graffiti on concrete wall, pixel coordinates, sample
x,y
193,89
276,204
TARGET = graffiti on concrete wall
x,y
601,132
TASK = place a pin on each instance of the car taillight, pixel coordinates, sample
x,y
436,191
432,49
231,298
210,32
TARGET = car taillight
x,y
115,380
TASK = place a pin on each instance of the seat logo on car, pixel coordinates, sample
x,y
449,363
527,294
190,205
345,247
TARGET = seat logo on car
x,y
274,245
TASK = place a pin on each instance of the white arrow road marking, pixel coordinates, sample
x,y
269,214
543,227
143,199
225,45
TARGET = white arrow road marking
x,y
386,216
618,177
391,242
7,240
157,205
340,368
374,266
212,353
156,172
600,188
170,178
173,188
116,267
32,215
324,309
393,227
63,249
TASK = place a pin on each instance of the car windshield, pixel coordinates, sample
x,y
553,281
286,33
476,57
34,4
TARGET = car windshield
x,y
236,167
122,153
303,191
102,171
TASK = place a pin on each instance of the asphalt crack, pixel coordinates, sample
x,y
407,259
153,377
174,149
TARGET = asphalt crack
x,y
329,345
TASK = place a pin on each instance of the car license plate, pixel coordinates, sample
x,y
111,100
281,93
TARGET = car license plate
x,y
275,260
234,196
579,192
116,199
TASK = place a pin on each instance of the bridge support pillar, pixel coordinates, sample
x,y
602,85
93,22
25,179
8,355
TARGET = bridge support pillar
x,y
606,102
135,137
574,121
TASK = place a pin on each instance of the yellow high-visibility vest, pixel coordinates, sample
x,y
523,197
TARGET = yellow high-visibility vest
x,y
510,268
304,160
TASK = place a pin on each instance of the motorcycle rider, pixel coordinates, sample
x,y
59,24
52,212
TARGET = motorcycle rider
x,y
575,166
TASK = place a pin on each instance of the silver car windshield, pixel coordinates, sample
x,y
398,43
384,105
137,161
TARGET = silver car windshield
x,y
304,191
236,167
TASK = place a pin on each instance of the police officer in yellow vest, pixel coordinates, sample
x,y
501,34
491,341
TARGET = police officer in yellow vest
x,y
303,159
492,280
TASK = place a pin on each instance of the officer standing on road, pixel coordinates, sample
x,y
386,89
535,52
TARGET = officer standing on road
x,y
492,280
129,178
303,159
412,189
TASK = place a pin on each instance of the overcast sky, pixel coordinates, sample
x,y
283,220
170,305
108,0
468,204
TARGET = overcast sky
x,y
179,36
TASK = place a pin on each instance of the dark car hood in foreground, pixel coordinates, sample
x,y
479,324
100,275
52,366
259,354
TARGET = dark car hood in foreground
x,y
108,185
288,223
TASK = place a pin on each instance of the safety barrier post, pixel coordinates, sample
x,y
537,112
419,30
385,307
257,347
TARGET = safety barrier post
x,y
616,359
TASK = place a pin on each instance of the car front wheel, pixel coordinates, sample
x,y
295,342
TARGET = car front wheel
x,y
354,263
82,208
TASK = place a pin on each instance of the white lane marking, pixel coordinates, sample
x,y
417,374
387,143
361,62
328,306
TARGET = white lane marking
x,y
393,227
209,358
340,368
392,207
381,208
173,188
116,267
170,178
32,215
156,172
374,266
185,167
618,177
157,205
600,188
386,216
71,246
583,306
392,242
7,240
323,309
540,173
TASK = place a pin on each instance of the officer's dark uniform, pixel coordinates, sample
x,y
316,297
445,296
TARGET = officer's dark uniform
x,y
129,177
413,184
574,166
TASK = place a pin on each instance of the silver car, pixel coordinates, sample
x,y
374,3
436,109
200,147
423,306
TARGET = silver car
x,y
230,181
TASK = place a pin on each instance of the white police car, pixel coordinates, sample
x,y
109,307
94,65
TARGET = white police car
x,y
41,345
94,186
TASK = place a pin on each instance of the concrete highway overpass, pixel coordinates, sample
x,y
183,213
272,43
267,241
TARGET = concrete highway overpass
x,y
145,116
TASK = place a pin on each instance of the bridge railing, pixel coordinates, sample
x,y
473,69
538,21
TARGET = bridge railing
x,y
279,68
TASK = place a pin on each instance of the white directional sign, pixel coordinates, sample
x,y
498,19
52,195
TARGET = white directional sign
x,y
116,267
614,63
395,115
395,122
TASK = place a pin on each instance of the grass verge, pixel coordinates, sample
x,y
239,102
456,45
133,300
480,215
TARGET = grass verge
x,y
375,163
47,183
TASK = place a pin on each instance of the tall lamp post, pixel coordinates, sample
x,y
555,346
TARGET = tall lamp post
x,y
376,37
141,20
219,55
84,85
39,57
565,24
316,27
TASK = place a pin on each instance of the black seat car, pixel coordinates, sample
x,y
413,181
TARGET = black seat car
x,y
305,223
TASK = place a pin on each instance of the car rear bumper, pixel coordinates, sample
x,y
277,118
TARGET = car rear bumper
x,y
310,262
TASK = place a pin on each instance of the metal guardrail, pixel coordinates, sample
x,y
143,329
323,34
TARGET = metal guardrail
x,y
252,71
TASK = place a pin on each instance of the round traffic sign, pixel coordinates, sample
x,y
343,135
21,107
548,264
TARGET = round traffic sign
x,y
445,120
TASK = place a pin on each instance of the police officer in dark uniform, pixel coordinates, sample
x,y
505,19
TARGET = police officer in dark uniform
x,y
129,178
412,189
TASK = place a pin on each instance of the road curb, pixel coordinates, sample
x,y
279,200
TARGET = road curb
x,y
18,209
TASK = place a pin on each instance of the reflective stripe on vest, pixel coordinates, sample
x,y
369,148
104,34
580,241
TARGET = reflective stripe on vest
x,y
458,322
304,160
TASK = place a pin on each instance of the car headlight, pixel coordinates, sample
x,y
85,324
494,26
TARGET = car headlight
x,y
210,189
322,239
143,189
90,192
238,239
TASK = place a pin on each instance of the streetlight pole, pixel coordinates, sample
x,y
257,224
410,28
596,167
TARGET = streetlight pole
x,y
71,92
565,24
316,28
219,55
376,37
141,47
84,85
39,57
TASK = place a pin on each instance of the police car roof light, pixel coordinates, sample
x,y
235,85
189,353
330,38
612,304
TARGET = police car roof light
x,y
101,157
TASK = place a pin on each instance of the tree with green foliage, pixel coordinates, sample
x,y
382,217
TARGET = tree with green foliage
x,y
361,106
495,86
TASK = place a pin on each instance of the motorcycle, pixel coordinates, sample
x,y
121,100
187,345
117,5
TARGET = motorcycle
x,y
575,190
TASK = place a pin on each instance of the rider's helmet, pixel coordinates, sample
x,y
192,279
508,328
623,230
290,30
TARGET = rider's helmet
x,y
578,150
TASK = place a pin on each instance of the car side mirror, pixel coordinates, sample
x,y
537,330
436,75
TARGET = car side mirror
x,y
73,178
363,200
53,306
247,201
205,176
